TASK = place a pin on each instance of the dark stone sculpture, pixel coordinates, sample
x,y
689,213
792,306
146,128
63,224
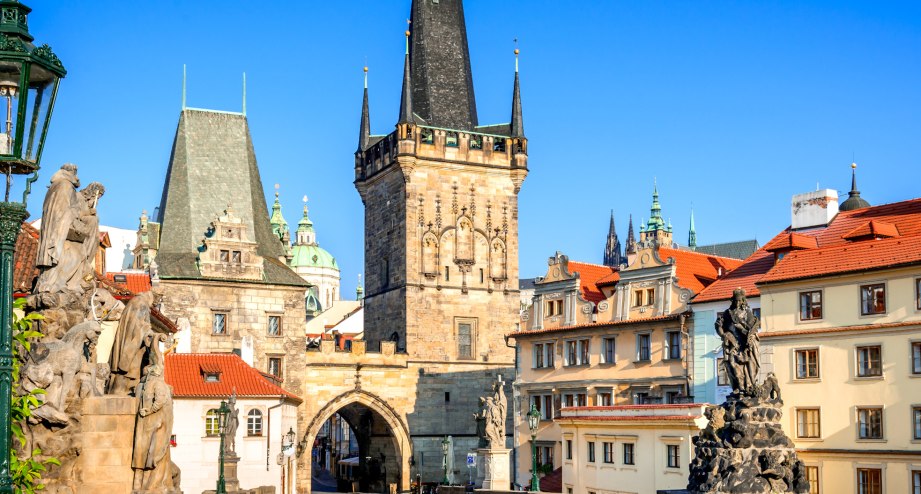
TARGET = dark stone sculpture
x,y
743,449
153,470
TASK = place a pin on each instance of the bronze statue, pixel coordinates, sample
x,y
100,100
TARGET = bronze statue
x,y
151,457
738,328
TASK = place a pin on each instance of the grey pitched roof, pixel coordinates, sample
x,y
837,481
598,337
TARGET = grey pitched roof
x,y
440,59
213,164
733,250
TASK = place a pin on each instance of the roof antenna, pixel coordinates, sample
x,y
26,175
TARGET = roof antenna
x,y
244,94
183,86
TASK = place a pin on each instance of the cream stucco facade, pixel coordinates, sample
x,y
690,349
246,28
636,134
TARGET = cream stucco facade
x,y
851,382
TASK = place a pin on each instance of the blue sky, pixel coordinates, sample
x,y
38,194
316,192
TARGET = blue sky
x,y
733,106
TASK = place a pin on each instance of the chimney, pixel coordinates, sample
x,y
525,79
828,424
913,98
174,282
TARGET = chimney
x,y
814,209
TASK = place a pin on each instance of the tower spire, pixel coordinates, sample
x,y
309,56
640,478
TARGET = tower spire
x,y
692,233
854,201
517,119
183,86
612,255
406,99
631,238
364,133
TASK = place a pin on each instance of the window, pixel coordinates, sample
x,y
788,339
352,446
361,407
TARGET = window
x,y
873,299
212,377
476,142
812,476
447,273
721,378
275,366
916,357
225,256
465,340
674,455
254,423
236,257
628,453
584,352
604,399
810,305
543,355
672,397
545,456
574,400
607,452
918,294
591,451
641,398
427,136
673,345
650,296
544,405
219,323
807,423
638,298
451,139
482,276
916,423
447,397
869,481
212,425
916,482
642,347
608,348
577,352
274,326
870,423
807,364
869,361
569,449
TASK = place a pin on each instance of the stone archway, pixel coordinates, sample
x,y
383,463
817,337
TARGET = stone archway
x,y
351,405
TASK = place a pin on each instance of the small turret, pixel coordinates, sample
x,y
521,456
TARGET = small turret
x,y
853,201
364,133
517,126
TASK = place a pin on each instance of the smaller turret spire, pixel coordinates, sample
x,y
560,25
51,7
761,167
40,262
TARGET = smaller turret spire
x,y
406,100
305,232
279,225
692,233
517,118
612,255
854,201
364,134
631,238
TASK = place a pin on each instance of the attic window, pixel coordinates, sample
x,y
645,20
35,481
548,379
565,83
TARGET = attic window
x,y
212,377
120,278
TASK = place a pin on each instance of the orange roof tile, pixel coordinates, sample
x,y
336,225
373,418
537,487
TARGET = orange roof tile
x,y
696,271
589,275
791,241
873,229
905,216
848,258
610,279
134,282
184,372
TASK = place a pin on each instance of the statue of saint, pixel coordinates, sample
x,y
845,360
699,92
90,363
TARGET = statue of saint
x,y
480,418
132,340
738,328
151,458
60,244
494,410
233,422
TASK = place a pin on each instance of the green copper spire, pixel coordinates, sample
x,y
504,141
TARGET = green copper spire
x,y
655,219
692,233
305,232
279,225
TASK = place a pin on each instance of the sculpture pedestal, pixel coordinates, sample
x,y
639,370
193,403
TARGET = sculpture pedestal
x,y
496,469
104,465
231,482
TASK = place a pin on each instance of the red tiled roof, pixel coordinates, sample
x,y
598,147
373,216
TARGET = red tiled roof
x,y
589,275
184,372
552,482
24,270
873,229
905,216
790,241
695,270
134,282
668,317
848,258
610,279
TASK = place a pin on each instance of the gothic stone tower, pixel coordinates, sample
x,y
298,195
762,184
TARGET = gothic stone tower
x,y
441,205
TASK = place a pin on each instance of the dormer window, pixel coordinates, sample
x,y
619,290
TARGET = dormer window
x,y
212,377
120,278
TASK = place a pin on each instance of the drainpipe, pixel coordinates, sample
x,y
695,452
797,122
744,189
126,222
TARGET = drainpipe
x,y
268,430
516,410
689,353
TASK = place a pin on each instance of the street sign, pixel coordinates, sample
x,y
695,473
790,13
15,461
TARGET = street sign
x,y
471,459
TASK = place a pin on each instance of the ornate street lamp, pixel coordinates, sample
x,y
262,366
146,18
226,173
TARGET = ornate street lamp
x,y
445,444
29,78
533,423
222,414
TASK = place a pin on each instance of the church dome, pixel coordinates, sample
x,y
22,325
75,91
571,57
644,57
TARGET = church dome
x,y
312,256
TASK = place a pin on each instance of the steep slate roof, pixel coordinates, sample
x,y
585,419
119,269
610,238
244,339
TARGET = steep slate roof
x,y
696,271
442,81
732,250
24,270
830,241
213,164
589,275
185,373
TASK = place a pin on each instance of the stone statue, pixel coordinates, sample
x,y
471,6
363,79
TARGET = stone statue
x,y
480,418
151,457
770,390
132,340
233,423
494,413
738,328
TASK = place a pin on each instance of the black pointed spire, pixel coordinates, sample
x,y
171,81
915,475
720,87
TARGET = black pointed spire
x,y
631,239
854,201
406,99
364,133
517,119
612,256
442,82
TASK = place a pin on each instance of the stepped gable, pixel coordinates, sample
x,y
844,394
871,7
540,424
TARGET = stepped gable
x,y
213,165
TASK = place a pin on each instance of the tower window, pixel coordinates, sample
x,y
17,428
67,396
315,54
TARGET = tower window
x,y
427,136
225,256
466,336
476,142
447,397
482,276
447,273
237,257
451,139
498,145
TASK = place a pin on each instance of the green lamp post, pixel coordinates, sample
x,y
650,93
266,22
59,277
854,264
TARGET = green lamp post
x,y
222,414
445,445
533,423
29,78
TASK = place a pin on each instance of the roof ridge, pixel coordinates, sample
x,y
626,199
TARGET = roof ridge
x,y
703,254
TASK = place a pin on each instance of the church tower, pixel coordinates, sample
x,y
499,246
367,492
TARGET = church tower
x,y
612,255
441,204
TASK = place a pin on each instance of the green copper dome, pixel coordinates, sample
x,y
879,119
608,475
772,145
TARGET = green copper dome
x,y
312,256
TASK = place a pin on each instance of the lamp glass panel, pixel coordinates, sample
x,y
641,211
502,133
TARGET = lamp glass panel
x,y
37,111
10,74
